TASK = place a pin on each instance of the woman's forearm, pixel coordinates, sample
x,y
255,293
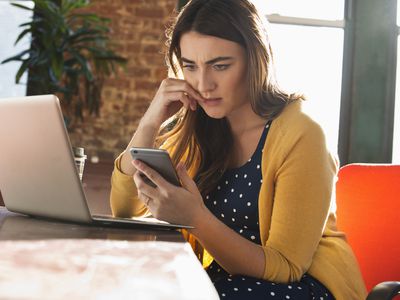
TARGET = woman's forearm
x,y
233,252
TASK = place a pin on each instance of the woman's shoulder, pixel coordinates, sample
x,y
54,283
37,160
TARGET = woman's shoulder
x,y
296,129
294,120
295,126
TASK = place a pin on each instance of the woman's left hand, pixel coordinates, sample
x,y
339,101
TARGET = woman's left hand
x,y
167,202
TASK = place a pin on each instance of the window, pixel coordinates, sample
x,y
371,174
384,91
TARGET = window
x,y
396,127
10,19
307,40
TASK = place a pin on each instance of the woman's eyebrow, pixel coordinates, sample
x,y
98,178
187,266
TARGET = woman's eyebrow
x,y
209,62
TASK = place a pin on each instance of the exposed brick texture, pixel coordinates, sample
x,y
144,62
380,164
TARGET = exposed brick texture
x,y
138,34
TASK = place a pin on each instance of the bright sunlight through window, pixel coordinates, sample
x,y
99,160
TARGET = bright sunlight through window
x,y
10,19
396,127
309,58
309,61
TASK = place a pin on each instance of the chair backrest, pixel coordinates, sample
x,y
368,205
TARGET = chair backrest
x,y
368,202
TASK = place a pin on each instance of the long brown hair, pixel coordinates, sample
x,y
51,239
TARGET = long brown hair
x,y
194,135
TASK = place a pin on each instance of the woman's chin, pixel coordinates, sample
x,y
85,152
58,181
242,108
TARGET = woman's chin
x,y
215,114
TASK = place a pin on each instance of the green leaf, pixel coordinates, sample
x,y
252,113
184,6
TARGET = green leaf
x,y
21,71
57,66
84,64
32,23
90,39
21,35
68,46
17,57
84,31
21,6
68,6
90,17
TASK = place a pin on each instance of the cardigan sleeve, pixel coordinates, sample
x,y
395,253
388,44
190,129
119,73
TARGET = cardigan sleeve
x,y
125,203
303,183
123,197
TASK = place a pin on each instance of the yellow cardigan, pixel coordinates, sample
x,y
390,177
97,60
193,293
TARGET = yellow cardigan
x,y
296,208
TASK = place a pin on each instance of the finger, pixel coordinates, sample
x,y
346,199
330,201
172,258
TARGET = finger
x,y
143,198
186,180
182,85
179,96
143,187
193,103
151,174
146,199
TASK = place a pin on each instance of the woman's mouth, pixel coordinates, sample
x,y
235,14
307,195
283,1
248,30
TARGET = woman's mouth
x,y
212,101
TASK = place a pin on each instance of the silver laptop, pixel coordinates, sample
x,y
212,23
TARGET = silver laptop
x,y
38,175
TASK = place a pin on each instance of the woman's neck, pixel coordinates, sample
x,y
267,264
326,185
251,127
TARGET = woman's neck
x,y
243,121
247,128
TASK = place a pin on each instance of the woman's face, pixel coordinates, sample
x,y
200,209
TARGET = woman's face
x,y
216,68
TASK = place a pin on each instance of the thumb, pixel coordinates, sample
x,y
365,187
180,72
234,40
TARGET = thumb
x,y
186,180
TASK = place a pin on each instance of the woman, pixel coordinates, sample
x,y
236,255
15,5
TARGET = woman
x,y
259,185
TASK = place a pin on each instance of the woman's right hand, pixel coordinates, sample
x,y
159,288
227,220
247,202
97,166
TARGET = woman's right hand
x,y
170,97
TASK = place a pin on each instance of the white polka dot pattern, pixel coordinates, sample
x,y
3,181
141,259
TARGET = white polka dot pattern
x,y
244,287
235,198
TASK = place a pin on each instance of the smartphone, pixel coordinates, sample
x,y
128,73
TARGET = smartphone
x,y
158,160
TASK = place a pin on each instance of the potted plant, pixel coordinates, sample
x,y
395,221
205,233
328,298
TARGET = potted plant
x,y
69,55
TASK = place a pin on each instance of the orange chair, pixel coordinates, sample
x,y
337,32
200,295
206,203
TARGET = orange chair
x,y
368,202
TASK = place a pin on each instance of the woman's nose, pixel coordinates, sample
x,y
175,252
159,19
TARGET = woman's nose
x,y
205,83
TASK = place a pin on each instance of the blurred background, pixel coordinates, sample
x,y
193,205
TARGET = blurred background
x,y
342,54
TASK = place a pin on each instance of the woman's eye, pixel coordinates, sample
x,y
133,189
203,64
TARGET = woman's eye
x,y
189,67
221,67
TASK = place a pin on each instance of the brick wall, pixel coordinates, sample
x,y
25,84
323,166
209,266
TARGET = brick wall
x,y
138,34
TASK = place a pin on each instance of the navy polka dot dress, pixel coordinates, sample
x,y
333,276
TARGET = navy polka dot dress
x,y
234,201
